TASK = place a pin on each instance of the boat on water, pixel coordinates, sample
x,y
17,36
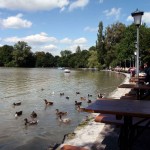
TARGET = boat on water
x,y
67,71
60,68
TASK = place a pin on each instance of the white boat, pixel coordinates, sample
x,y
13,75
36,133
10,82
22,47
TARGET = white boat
x,y
67,71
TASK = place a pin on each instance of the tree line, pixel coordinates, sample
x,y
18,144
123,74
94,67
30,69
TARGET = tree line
x,y
115,46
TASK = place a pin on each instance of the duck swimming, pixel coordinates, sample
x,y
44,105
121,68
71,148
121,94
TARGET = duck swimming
x,y
79,109
31,122
17,104
33,115
64,120
67,97
48,103
89,95
82,98
89,101
60,112
78,103
100,95
19,113
61,94
77,93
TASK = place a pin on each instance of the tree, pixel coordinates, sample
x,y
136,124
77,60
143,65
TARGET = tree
x,y
65,56
6,55
78,49
44,59
100,44
65,53
114,34
93,60
21,53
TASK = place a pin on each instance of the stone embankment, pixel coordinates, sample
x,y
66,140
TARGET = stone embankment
x,y
90,134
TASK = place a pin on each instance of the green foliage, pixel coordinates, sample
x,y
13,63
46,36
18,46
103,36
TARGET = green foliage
x,y
44,59
5,55
93,60
21,54
114,46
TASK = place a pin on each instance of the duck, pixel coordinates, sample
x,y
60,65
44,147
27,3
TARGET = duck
x,y
42,89
61,112
89,95
19,113
33,115
17,104
61,94
82,98
48,103
77,92
100,95
67,97
78,103
64,120
79,109
89,101
31,122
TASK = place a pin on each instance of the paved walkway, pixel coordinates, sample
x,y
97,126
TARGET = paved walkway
x,y
99,136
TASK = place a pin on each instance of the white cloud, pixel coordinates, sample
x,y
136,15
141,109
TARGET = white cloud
x,y
113,12
15,22
50,47
36,39
77,4
43,42
40,38
33,5
53,49
80,41
89,29
129,18
145,18
74,47
66,41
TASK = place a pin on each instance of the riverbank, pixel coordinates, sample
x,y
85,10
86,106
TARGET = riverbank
x,y
90,134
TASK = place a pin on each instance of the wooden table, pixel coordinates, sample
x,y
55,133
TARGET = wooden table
x,y
140,79
127,86
137,87
127,109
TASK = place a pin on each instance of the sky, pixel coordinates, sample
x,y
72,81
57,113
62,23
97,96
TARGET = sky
x,y
56,25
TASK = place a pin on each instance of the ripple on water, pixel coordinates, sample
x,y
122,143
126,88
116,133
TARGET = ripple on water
x,y
30,87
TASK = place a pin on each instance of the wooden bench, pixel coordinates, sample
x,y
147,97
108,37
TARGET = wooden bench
x,y
111,119
129,97
108,118
130,94
70,147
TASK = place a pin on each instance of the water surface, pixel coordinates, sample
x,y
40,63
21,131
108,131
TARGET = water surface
x,y
30,87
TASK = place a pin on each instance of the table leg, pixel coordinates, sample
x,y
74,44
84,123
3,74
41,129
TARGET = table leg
x,y
138,94
126,134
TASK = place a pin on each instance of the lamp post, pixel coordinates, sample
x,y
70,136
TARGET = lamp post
x,y
137,15
135,54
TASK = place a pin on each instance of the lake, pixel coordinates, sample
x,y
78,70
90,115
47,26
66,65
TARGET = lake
x,y
30,87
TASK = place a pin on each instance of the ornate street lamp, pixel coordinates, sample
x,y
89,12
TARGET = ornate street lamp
x,y
137,15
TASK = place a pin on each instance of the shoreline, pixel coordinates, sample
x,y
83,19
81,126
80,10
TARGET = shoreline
x,y
90,134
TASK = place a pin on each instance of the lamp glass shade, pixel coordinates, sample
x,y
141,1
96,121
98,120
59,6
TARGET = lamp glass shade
x,y
137,20
135,53
137,15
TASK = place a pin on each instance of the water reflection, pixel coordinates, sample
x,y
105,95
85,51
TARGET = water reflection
x,y
31,87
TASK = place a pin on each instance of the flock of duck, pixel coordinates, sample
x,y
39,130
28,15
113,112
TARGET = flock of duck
x,y
60,114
